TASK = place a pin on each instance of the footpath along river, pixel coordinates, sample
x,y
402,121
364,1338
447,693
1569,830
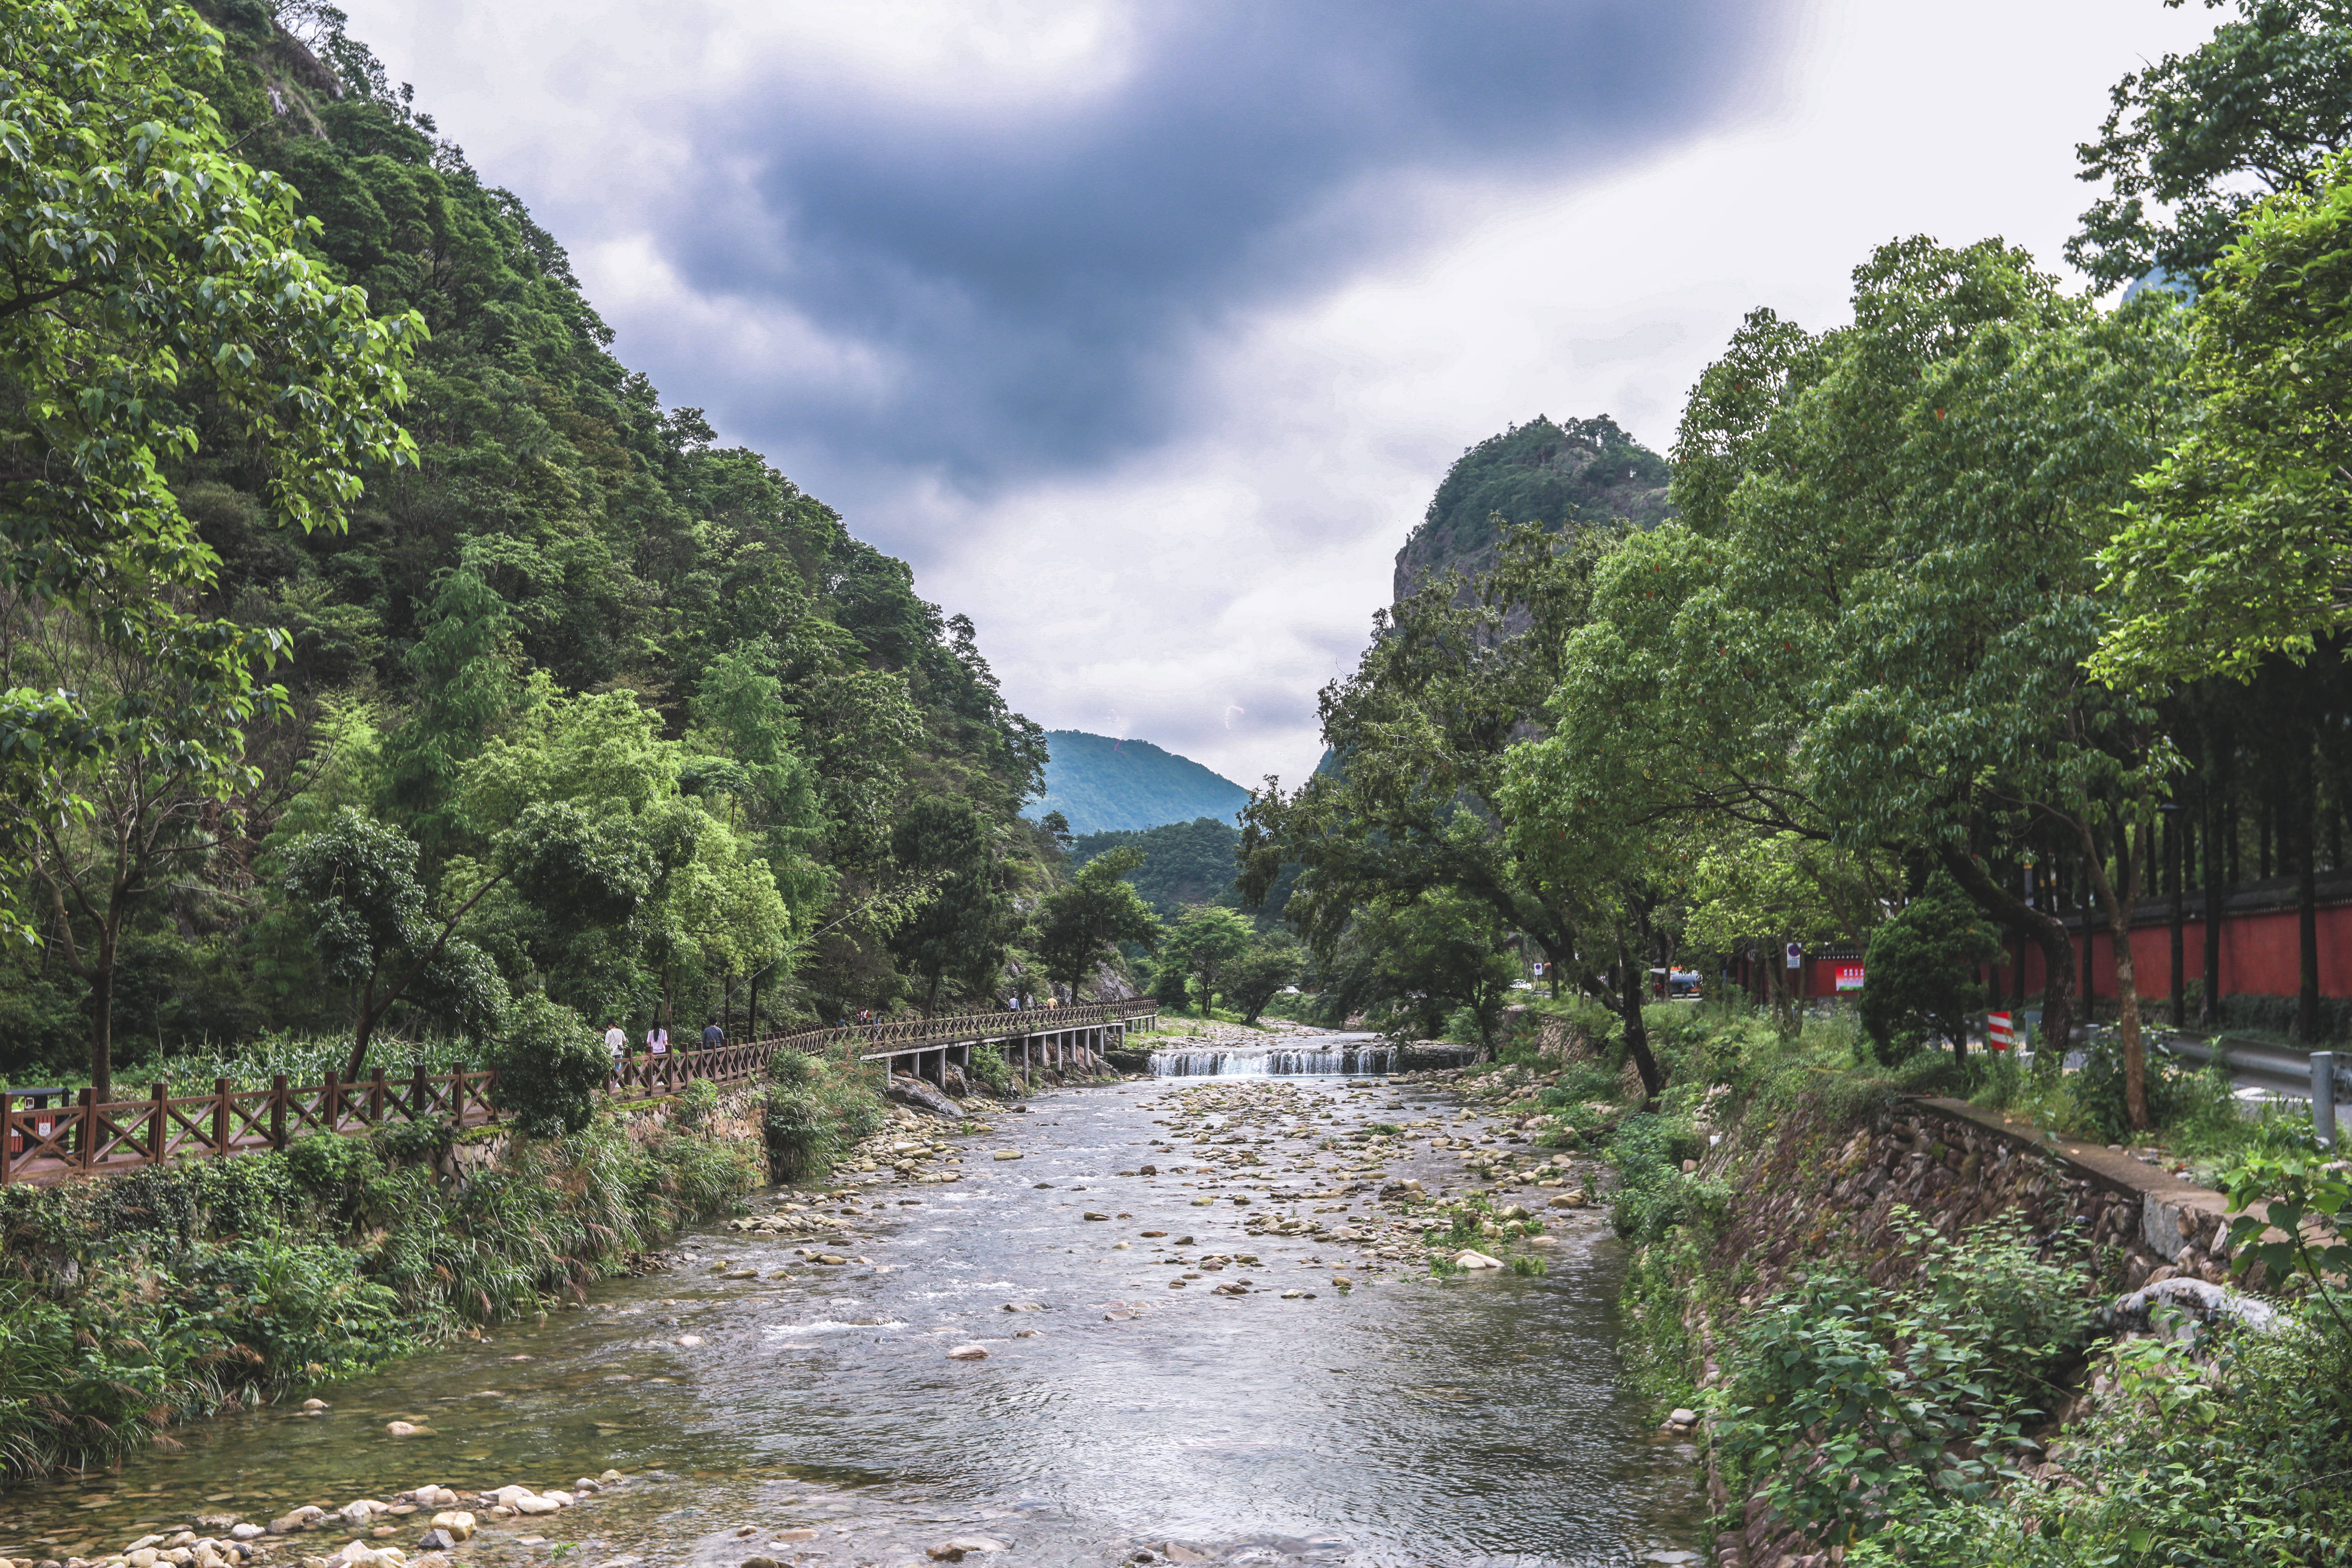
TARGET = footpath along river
x,y
819,1419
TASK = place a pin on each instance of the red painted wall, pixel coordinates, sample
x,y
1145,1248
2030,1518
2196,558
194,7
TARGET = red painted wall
x,y
2260,954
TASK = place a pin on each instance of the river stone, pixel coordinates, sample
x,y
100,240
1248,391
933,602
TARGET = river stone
x,y
793,1535
761,1562
435,1540
976,1544
1681,1416
458,1526
1466,1259
968,1353
406,1429
1008,1154
316,1405
690,1341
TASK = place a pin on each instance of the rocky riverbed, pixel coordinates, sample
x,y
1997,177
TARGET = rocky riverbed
x,y
1164,1321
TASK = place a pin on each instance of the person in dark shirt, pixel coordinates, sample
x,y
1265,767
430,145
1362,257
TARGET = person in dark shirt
x,y
713,1036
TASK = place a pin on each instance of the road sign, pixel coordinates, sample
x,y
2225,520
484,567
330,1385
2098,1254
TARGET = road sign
x,y
1796,956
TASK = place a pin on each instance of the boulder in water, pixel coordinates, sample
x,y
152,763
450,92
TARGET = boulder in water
x,y
913,1091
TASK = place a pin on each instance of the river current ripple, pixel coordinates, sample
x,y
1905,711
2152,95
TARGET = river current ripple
x,y
1482,1421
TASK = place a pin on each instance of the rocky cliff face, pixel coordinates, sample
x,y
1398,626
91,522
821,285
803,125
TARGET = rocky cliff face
x,y
1554,476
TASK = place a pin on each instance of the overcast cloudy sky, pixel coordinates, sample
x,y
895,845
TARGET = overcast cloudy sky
x,y
1145,331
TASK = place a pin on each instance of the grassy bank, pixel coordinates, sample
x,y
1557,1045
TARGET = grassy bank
x,y
134,1302
1947,1396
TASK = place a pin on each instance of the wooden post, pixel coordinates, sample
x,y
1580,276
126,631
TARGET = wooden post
x,y
157,1120
375,1098
8,1132
419,1094
220,1115
277,1111
333,1097
85,1133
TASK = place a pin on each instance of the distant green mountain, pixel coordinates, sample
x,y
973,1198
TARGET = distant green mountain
x,y
1100,785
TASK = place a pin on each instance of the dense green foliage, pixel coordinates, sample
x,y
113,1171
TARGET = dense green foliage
x,y
182,1290
2236,546
1184,863
2195,141
552,634
1104,785
1923,964
1848,1405
815,1108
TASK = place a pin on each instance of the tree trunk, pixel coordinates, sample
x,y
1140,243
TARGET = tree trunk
x,y
2045,930
101,1021
2121,902
1637,1035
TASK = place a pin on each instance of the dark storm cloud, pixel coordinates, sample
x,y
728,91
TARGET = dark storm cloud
x,y
1035,278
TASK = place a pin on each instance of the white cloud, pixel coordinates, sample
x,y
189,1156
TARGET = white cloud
x,y
1196,593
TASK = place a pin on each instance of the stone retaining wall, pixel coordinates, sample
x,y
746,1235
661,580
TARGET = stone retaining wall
x,y
1818,1192
1809,1190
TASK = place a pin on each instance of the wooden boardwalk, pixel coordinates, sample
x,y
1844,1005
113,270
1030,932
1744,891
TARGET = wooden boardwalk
x,y
83,1137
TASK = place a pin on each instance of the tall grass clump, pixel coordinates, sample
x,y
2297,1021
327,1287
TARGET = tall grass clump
x,y
815,1108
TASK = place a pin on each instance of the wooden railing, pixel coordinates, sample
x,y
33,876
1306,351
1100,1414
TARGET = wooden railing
x,y
84,1136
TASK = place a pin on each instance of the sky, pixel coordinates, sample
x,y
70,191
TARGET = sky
x,y
1144,333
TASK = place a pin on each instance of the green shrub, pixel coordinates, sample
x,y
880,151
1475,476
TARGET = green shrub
x,y
1653,1195
2176,1095
550,1065
2235,1451
170,1292
815,1109
2278,1015
1851,1404
989,1066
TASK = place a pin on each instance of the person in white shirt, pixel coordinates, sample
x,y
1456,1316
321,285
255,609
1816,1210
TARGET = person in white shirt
x,y
658,1048
615,1042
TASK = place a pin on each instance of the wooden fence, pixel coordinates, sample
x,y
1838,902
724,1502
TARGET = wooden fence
x,y
83,1137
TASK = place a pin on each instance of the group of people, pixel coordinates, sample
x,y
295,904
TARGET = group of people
x,y
617,1045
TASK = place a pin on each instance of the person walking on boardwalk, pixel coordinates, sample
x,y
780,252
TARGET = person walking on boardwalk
x,y
615,1043
658,1048
713,1036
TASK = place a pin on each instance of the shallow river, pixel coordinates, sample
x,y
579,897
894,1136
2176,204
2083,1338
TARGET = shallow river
x,y
1392,1421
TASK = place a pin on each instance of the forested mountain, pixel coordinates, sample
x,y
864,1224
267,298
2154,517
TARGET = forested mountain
x,y
573,602
1184,864
1585,471
1102,785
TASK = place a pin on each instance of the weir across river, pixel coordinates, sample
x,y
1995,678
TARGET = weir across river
x,y
84,1136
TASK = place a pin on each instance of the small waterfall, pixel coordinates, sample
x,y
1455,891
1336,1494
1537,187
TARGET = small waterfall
x,y
1272,1063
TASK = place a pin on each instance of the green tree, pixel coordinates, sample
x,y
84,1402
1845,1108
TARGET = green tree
x,y
1871,624
355,883
1078,926
1420,960
142,269
1419,735
465,676
1274,962
550,1064
1205,945
965,924
2196,140
1921,972
2236,544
